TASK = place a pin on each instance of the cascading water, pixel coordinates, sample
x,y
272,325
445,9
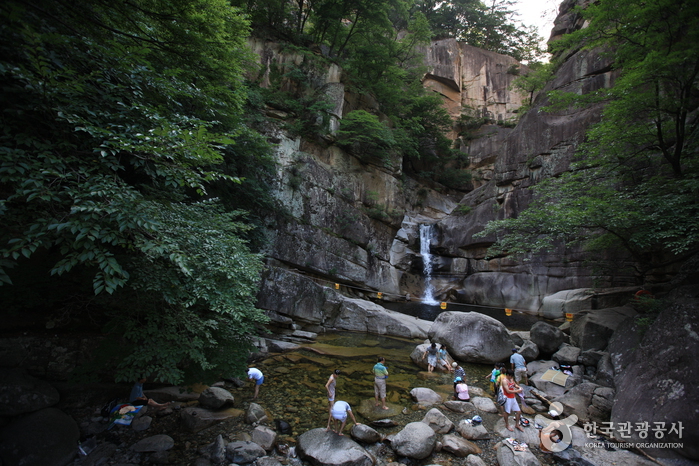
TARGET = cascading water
x,y
425,238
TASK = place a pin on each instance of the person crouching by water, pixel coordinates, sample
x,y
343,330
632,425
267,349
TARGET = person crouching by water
x,y
461,390
330,387
380,376
258,377
338,413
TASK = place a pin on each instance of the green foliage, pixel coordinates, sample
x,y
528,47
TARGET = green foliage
x,y
366,136
533,80
636,184
116,121
488,27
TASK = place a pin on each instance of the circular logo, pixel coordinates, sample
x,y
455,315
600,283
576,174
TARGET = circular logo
x,y
555,435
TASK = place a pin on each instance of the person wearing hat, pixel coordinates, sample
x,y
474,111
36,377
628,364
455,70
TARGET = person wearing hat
x,y
519,365
458,371
460,390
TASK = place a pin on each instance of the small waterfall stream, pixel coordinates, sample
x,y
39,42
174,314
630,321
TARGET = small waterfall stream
x,y
425,238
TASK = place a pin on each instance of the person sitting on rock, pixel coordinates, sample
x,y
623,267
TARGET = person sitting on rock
x,y
461,390
137,398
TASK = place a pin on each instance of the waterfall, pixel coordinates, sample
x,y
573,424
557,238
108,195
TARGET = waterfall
x,y
425,237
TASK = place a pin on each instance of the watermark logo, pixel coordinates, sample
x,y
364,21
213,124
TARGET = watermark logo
x,y
556,435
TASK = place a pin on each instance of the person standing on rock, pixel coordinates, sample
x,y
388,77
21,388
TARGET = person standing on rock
x,y
519,365
510,389
258,377
380,376
330,387
339,413
431,354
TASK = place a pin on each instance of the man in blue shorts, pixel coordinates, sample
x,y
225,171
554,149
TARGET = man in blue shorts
x,y
256,375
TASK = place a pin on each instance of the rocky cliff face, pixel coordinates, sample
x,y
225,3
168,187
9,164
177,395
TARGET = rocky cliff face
x,y
355,223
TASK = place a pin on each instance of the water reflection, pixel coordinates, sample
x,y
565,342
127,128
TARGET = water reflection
x,y
294,388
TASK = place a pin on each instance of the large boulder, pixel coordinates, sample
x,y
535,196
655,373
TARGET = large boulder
x,y
558,304
360,315
215,398
659,379
591,330
416,440
324,448
21,393
472,337
547,337
47,437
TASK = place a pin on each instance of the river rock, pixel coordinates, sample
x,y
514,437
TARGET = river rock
x,y
264,437
416,440
21,393
216,451
243,452
438,421
547,337
255,414
324,448
591,330
566,354
141,423
508,457
473,460
365,434
484,404
426,396
460,447
577,400
460,406
529,435
267,461
602,402
47,437
590,357
215,398
159,442
471,431
472,337
529,351
605,371
164,394
279,346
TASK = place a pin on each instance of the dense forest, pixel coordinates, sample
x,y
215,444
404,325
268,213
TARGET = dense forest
x,y
134,174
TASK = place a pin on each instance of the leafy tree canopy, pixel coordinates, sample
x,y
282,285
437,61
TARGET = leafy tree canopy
x,y
116,118
635,185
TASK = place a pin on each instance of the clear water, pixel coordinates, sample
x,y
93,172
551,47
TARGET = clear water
x,y
294,387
